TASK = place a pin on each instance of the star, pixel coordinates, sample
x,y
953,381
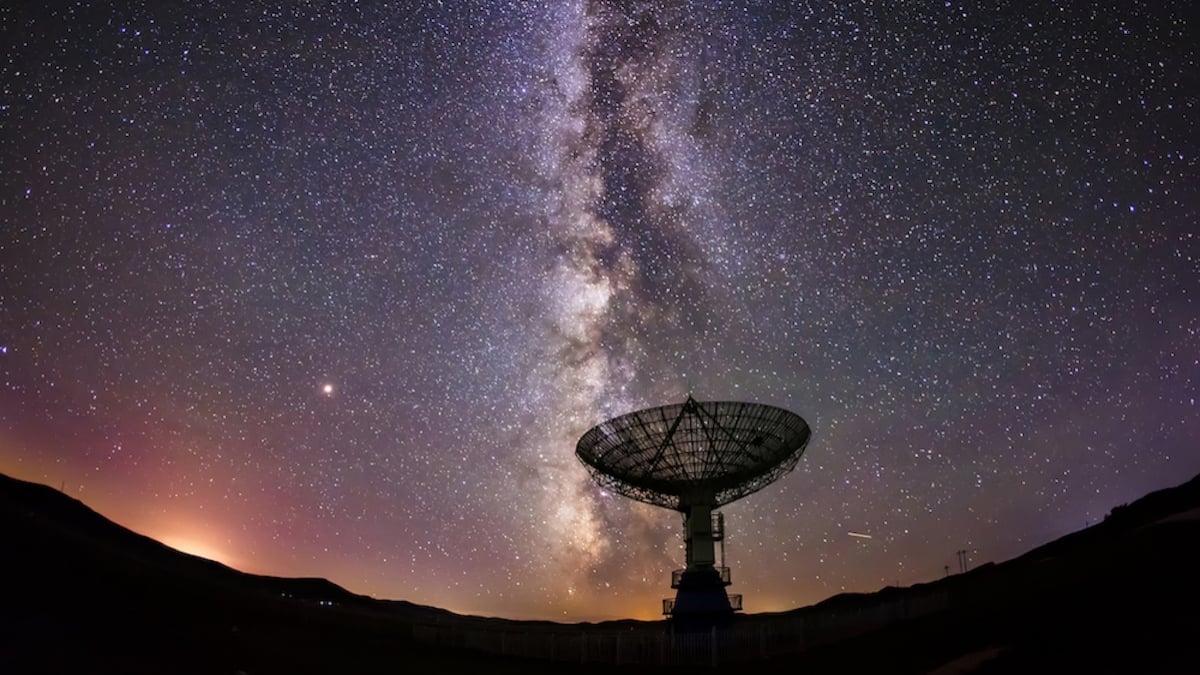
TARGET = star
x,y
961,245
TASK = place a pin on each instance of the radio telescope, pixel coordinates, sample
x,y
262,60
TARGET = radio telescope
x,y
694,457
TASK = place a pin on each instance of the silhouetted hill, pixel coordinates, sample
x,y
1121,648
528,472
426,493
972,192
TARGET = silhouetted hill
x,y
1119,596
82,594
53,522
1122,522
1149,510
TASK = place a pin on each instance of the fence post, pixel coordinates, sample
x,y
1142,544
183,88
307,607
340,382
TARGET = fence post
x,y
583,648
713,648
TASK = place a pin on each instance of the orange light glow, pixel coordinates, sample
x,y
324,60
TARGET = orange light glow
x,y
195,546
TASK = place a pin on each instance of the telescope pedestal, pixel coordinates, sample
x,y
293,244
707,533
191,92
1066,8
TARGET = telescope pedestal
x,y
701,594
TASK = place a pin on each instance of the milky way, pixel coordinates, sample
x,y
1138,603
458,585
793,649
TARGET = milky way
x,y
335,291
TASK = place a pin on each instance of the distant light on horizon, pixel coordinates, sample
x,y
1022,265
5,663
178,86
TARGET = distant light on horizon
x,y
194,545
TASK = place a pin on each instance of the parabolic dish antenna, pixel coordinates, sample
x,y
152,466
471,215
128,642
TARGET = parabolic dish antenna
x,y
693,457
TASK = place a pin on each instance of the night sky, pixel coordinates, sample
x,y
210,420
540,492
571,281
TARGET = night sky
x,y
334,289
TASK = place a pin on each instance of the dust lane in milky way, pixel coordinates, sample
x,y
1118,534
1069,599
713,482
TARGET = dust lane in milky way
x,y
600,170
334,291
627,185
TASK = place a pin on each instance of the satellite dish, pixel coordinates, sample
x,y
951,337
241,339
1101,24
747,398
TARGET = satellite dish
x,y
694,457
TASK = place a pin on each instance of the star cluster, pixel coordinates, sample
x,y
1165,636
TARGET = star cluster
x,y
333,290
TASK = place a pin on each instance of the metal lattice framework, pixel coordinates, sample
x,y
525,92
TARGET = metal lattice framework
x,y
711,452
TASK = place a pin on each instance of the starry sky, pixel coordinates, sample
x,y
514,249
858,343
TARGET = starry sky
x,y
332,289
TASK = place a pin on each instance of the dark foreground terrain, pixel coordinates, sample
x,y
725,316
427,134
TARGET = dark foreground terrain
x,y
82,594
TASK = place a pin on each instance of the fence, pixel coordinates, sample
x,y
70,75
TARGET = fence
x,y
747,638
